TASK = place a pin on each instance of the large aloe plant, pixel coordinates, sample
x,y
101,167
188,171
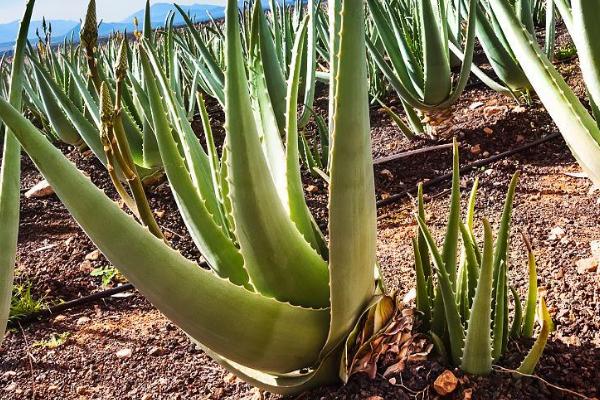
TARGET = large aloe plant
x,y
466,308
275,308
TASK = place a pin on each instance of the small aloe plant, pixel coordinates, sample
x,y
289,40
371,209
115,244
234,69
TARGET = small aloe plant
x,y
465,304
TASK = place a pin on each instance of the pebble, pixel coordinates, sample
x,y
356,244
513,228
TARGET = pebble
x,y
93,256
86,267
124,353
40,190
446,383
556,233
586,265
60,318
476,149
11,388
83,320
488,131
155,351
312,189
9,374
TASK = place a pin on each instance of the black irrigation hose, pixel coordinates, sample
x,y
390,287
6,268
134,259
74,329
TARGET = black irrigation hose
x,y
46,313
476,164
410,153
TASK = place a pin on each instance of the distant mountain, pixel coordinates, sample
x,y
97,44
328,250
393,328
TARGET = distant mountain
x,y
8,31
159,13
62,29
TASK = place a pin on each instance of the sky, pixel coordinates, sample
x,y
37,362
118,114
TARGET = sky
x,y
108,10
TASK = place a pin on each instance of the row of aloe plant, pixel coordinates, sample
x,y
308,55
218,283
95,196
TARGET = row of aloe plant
x,y
131,102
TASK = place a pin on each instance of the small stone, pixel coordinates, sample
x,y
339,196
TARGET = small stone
x,y
556,233
147,396
312,189
168,235
595,245
387,173
9,374
587,265
519,109
124,353
230,378
375,398
11,388
159,214
493,110
446,383
83,320
81,390
488,131
486,154
60,318
52,388
93,256
40,190
476,149
86,267
475,105
155,351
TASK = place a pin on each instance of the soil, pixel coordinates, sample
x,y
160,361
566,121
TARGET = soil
x,y
123,348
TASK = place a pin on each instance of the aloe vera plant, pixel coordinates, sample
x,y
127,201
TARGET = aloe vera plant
x,y
466,306
580,129
415,40
277,307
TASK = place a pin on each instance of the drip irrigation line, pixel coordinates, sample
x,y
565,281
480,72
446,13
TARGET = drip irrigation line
x,y
410,153
50,311
467,168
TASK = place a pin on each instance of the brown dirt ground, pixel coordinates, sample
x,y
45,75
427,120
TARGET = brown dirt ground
x,y
165,365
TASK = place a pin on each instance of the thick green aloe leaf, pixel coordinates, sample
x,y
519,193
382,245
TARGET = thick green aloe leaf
x,y
88,132
450,248
212,240
446,293
299,212
501,58
500,312
10,176
532,293
517,324
534,355
311,63
436,63
280,262
501,252
274,77
265,115
586,31
243,326
195,157
326,373
207,57
573,120
352,210
477,354
58,120
423,301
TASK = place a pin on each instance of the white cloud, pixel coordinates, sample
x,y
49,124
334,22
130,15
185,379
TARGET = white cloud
x,y
108,10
